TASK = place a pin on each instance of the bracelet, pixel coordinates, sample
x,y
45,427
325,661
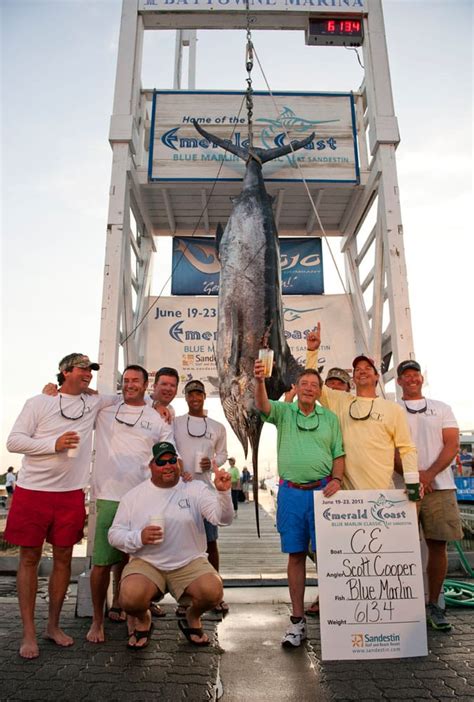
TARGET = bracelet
x,y
338,479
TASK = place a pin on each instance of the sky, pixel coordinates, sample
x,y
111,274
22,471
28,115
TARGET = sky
x,y
58,61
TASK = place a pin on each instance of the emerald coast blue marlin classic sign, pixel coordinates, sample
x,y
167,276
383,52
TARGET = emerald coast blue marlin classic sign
x,y
179,153
196,267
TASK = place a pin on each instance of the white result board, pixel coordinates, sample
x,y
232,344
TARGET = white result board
x,y
370,578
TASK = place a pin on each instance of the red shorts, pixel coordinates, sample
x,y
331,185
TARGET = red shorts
x,y
36,516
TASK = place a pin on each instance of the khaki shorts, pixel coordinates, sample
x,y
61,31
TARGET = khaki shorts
x,y
439,516
173,581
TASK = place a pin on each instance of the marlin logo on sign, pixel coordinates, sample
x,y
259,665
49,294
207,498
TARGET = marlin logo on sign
x,y
291,314
272,135
383,511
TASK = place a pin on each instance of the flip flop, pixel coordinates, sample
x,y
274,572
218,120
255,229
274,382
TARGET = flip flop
x,y
139,636
313,609
189,631
156,610
117,612
222,608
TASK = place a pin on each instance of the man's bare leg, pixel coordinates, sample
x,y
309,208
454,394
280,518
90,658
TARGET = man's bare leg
x,y
136,593
297,581
27,585
117,570
99,581
206,592
58,584
436,569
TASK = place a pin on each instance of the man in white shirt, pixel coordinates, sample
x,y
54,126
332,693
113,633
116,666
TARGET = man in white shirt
x,y
125,435
55,435
160,524
200,440
435,432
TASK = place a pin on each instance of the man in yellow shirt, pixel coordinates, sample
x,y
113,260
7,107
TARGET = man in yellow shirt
x,y
372,427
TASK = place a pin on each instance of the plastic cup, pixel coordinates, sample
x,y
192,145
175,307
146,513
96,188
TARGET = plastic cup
x,y
412,482
197,461
158,521
72,452
266,355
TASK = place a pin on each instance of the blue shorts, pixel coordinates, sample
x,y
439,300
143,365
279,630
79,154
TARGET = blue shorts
x,y
211,531
295,519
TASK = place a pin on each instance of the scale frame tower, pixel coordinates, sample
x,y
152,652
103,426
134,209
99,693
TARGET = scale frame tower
x,y
379,296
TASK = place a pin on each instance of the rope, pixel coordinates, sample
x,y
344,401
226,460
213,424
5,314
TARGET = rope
x,y
249,66
316,213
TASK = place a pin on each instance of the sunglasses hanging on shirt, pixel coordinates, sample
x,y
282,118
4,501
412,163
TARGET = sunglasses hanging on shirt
x,y
416,411
122,421
360,419
73,419
198,436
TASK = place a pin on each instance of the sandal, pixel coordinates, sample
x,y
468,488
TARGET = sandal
x,y
139,636
189,631
222,608
313,609
118,615
180,611
156,610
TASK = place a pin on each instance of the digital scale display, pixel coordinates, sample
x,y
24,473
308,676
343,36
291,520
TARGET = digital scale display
x,y
335,31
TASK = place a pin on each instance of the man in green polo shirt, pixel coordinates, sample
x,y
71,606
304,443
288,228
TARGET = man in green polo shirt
x,y
310,457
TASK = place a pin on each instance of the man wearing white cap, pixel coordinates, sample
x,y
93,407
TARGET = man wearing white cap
x,y
55,435
435,432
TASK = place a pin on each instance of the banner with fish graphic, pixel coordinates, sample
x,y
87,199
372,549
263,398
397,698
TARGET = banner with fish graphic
x,y
196,266
182,332
179,153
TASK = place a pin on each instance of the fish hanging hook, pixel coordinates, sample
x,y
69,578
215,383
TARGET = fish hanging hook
x,y
249,67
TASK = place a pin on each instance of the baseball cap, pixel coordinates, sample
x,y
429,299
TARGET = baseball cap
x,y
77,360
194,386
162,448
406,365
339,374
364,358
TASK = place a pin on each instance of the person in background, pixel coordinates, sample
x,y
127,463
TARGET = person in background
x,y
435,432
10,481
235,485
245,480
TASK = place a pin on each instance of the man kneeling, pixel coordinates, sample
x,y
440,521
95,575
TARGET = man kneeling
x,y
160,523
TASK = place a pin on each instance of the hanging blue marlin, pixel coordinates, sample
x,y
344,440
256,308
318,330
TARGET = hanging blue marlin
x,y
250,312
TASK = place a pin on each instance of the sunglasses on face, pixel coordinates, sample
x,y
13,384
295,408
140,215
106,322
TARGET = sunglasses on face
x,y
160,462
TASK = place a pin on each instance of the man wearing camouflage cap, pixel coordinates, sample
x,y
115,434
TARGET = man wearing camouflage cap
x,y
55,435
